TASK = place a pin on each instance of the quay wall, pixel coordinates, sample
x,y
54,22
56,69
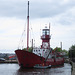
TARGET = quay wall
x,y
9,61
73,68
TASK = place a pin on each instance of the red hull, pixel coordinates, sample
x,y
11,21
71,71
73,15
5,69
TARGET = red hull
x,y
28,59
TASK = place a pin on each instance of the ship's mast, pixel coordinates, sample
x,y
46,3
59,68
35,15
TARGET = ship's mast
x,y
50,35
28,28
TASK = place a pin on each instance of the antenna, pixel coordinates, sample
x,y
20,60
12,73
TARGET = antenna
x,y
61,45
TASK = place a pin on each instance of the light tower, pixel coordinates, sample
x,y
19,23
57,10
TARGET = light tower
x,y
45,38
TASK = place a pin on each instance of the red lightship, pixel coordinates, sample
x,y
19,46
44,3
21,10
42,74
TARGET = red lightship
x,y
42,56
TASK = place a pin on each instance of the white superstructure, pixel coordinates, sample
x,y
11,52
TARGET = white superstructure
x,y
42,52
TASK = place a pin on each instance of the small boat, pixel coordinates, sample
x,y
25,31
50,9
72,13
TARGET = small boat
x,y
42,66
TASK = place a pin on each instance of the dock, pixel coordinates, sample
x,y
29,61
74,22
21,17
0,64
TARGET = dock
x,y
9,61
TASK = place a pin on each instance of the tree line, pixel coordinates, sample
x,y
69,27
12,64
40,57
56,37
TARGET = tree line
x,y
72,52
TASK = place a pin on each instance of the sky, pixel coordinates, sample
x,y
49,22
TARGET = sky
x,y
13,21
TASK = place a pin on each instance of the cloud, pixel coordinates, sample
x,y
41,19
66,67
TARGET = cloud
x,y
50,9
64,34
38,9
13,16
10,32
12,8
68,17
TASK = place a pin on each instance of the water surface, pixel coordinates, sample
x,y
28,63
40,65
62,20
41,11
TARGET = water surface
x,y
14,69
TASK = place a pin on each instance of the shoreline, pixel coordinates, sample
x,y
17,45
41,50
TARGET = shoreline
x,y
9,61
73,67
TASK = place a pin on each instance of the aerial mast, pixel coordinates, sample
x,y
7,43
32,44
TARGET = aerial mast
x,y
28,28
61,45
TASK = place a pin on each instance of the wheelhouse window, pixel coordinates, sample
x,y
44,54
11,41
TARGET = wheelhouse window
x,y
45,32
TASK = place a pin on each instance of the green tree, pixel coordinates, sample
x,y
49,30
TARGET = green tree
x,y
29,49
65,52
57,49
72,47
72,51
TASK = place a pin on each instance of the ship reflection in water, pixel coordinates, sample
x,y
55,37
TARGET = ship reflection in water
x,y
13,69
66,70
